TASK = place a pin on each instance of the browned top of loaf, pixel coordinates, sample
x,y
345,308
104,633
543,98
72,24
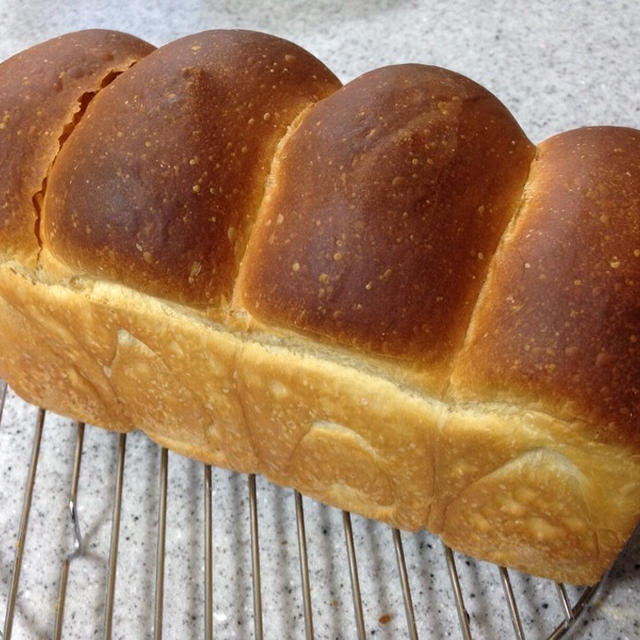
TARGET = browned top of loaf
x,y
40,90
387,204
159,184
559,319
379,225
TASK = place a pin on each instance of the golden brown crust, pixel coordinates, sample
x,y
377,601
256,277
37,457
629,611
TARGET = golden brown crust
x,y
559,318
159,185
387,204
513,458
41,89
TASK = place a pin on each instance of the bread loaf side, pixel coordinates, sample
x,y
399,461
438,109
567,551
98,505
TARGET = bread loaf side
x,y
382,294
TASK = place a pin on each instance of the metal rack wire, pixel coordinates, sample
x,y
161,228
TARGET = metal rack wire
x,y
571,610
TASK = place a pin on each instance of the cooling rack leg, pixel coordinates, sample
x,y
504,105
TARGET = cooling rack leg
x,y
564,599
457,592
577,609
77,538
162,529
208,557
304,569
255,558
13,591
3,397
513,607
584,599
353,571
115,536
406,590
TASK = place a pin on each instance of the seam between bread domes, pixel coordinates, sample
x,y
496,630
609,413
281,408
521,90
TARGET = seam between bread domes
x,y
499,246
82,103
268,187
239,393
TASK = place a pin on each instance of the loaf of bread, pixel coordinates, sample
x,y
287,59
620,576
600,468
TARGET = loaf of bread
x,y
382,294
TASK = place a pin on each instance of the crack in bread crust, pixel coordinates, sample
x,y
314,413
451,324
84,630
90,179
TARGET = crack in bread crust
x,y
37,116
82,103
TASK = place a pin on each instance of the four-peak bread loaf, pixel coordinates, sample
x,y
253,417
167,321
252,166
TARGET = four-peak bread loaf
x,y
382,294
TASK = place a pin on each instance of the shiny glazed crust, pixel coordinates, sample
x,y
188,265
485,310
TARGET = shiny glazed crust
x,y
381,294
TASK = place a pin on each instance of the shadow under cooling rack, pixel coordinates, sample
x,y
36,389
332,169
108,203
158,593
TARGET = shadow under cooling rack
x,y
107,535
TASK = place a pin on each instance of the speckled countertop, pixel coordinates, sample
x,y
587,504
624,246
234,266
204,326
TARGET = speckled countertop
x,y
555,66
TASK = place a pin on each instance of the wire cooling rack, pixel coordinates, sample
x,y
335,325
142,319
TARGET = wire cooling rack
x,y
435,593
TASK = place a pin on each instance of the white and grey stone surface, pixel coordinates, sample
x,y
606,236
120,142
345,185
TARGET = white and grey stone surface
x,y
556,66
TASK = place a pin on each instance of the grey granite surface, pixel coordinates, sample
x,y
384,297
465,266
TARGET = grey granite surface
x,y
556,66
